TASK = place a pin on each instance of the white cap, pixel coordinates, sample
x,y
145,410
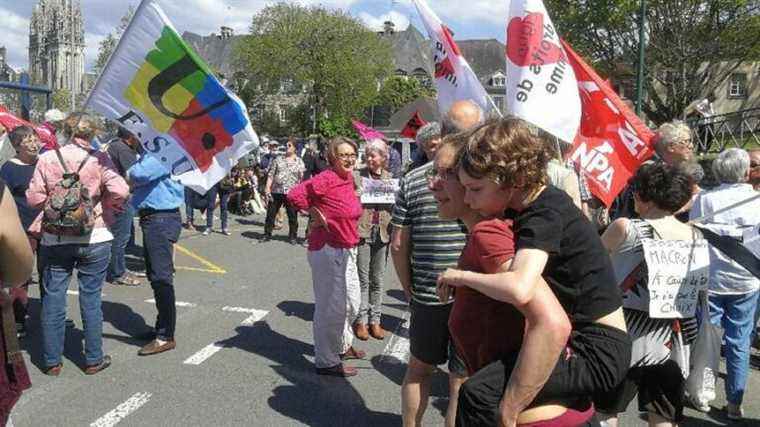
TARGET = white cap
x,y
54,115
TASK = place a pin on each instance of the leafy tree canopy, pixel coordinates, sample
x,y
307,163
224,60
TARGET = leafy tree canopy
x,y
692,45
336,60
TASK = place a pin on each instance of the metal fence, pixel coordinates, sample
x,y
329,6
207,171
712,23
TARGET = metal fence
x,y
740,129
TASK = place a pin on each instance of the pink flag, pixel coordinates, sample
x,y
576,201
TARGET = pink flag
x,y
10,122
541,86
365,132
454,78
612,141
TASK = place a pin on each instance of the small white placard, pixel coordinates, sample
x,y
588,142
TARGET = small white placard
x,y
678,270
751,240
379,191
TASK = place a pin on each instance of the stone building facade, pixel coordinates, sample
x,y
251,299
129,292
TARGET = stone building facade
x,y
56,45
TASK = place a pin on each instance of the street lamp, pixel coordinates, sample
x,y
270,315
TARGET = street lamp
x,y
642,48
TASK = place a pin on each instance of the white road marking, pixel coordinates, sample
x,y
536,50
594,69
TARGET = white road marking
x,y
254,317
213,348
204,354
397,349
176,303
122,411
255,314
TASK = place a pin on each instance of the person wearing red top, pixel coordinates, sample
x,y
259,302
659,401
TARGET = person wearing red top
x,y
485,330
331,200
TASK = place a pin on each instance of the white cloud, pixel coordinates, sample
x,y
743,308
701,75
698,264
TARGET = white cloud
x,y
15,37
375,23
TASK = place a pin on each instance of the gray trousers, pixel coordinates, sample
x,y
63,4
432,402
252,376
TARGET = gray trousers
x,y
371,261
336,301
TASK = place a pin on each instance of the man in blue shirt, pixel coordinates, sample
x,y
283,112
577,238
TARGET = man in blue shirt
x,y
157,198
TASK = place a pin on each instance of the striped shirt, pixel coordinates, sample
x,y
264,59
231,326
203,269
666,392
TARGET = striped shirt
x,y
435,244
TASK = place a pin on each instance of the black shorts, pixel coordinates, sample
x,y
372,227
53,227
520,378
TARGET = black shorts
x,y
660,389
594,364
429,337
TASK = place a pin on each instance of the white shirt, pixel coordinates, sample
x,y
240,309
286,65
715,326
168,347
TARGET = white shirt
x,y
726,276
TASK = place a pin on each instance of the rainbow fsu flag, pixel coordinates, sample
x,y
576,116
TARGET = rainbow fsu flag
x,y
156,86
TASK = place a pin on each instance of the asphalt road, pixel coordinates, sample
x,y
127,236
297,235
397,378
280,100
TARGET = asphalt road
x,y
244,352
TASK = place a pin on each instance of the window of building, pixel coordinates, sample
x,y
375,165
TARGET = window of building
x,y
401,73
282,112
499,80
499,102
737,85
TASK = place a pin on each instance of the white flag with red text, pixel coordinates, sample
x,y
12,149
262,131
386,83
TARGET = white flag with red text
x,y
454,78
541,85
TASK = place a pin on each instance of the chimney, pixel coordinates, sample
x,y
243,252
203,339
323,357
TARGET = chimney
x,y
226,32
389,27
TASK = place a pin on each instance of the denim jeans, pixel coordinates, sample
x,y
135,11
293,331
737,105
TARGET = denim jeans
x,y
224,199
122,231
91,262
160,232
371,261
736,315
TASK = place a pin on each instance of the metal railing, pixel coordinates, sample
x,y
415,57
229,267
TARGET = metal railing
x,y
739,129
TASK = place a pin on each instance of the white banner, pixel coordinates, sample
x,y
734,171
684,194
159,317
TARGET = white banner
x,y
541,85
157,87
678,270
379,191
454,79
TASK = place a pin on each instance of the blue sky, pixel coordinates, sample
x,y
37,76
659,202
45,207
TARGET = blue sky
x,y
477,19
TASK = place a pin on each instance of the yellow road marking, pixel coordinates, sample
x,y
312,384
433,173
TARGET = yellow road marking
x,y
212,268
202,270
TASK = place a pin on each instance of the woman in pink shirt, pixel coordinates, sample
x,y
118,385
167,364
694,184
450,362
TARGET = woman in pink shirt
x,y
331,199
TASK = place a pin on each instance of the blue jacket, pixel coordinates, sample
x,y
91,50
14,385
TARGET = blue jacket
x,y
153,186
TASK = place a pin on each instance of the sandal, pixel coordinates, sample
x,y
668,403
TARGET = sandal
x,y
54,370
126,280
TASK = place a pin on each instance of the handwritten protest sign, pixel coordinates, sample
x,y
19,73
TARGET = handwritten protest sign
x,y
751,240
677,271
379,191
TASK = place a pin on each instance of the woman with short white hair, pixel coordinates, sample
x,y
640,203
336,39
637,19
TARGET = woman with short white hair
x,y
373,244
733,291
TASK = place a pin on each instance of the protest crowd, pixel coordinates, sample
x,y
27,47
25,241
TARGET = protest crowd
x,y
550,303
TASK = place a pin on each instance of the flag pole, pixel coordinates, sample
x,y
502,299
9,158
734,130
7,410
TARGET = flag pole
x,y
501,116
138,11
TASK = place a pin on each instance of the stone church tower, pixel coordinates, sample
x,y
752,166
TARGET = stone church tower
x,y
56,45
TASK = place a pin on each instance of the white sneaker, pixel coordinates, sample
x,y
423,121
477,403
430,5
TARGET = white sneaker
x,y
206,232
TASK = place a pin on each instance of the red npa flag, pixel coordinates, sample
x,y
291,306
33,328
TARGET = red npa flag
x,y
612,141
10,122
413,125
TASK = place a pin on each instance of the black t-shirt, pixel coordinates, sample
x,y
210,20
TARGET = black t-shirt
x,y
122,156
579,270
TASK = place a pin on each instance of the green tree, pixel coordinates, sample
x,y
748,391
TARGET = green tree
x,y
692,45
330,55
398,91
108,44
62,99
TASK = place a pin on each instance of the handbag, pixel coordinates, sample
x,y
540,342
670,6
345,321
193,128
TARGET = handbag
x,y
705,356
14,378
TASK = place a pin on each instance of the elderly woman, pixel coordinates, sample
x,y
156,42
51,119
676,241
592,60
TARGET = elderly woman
x,y
331,200
659,190
373,244
733,291
673,146
89,252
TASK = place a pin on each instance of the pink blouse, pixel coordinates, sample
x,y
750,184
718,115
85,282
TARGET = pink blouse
x,y
336,198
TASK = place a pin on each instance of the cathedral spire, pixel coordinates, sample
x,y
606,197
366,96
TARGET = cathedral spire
x,y
56,45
